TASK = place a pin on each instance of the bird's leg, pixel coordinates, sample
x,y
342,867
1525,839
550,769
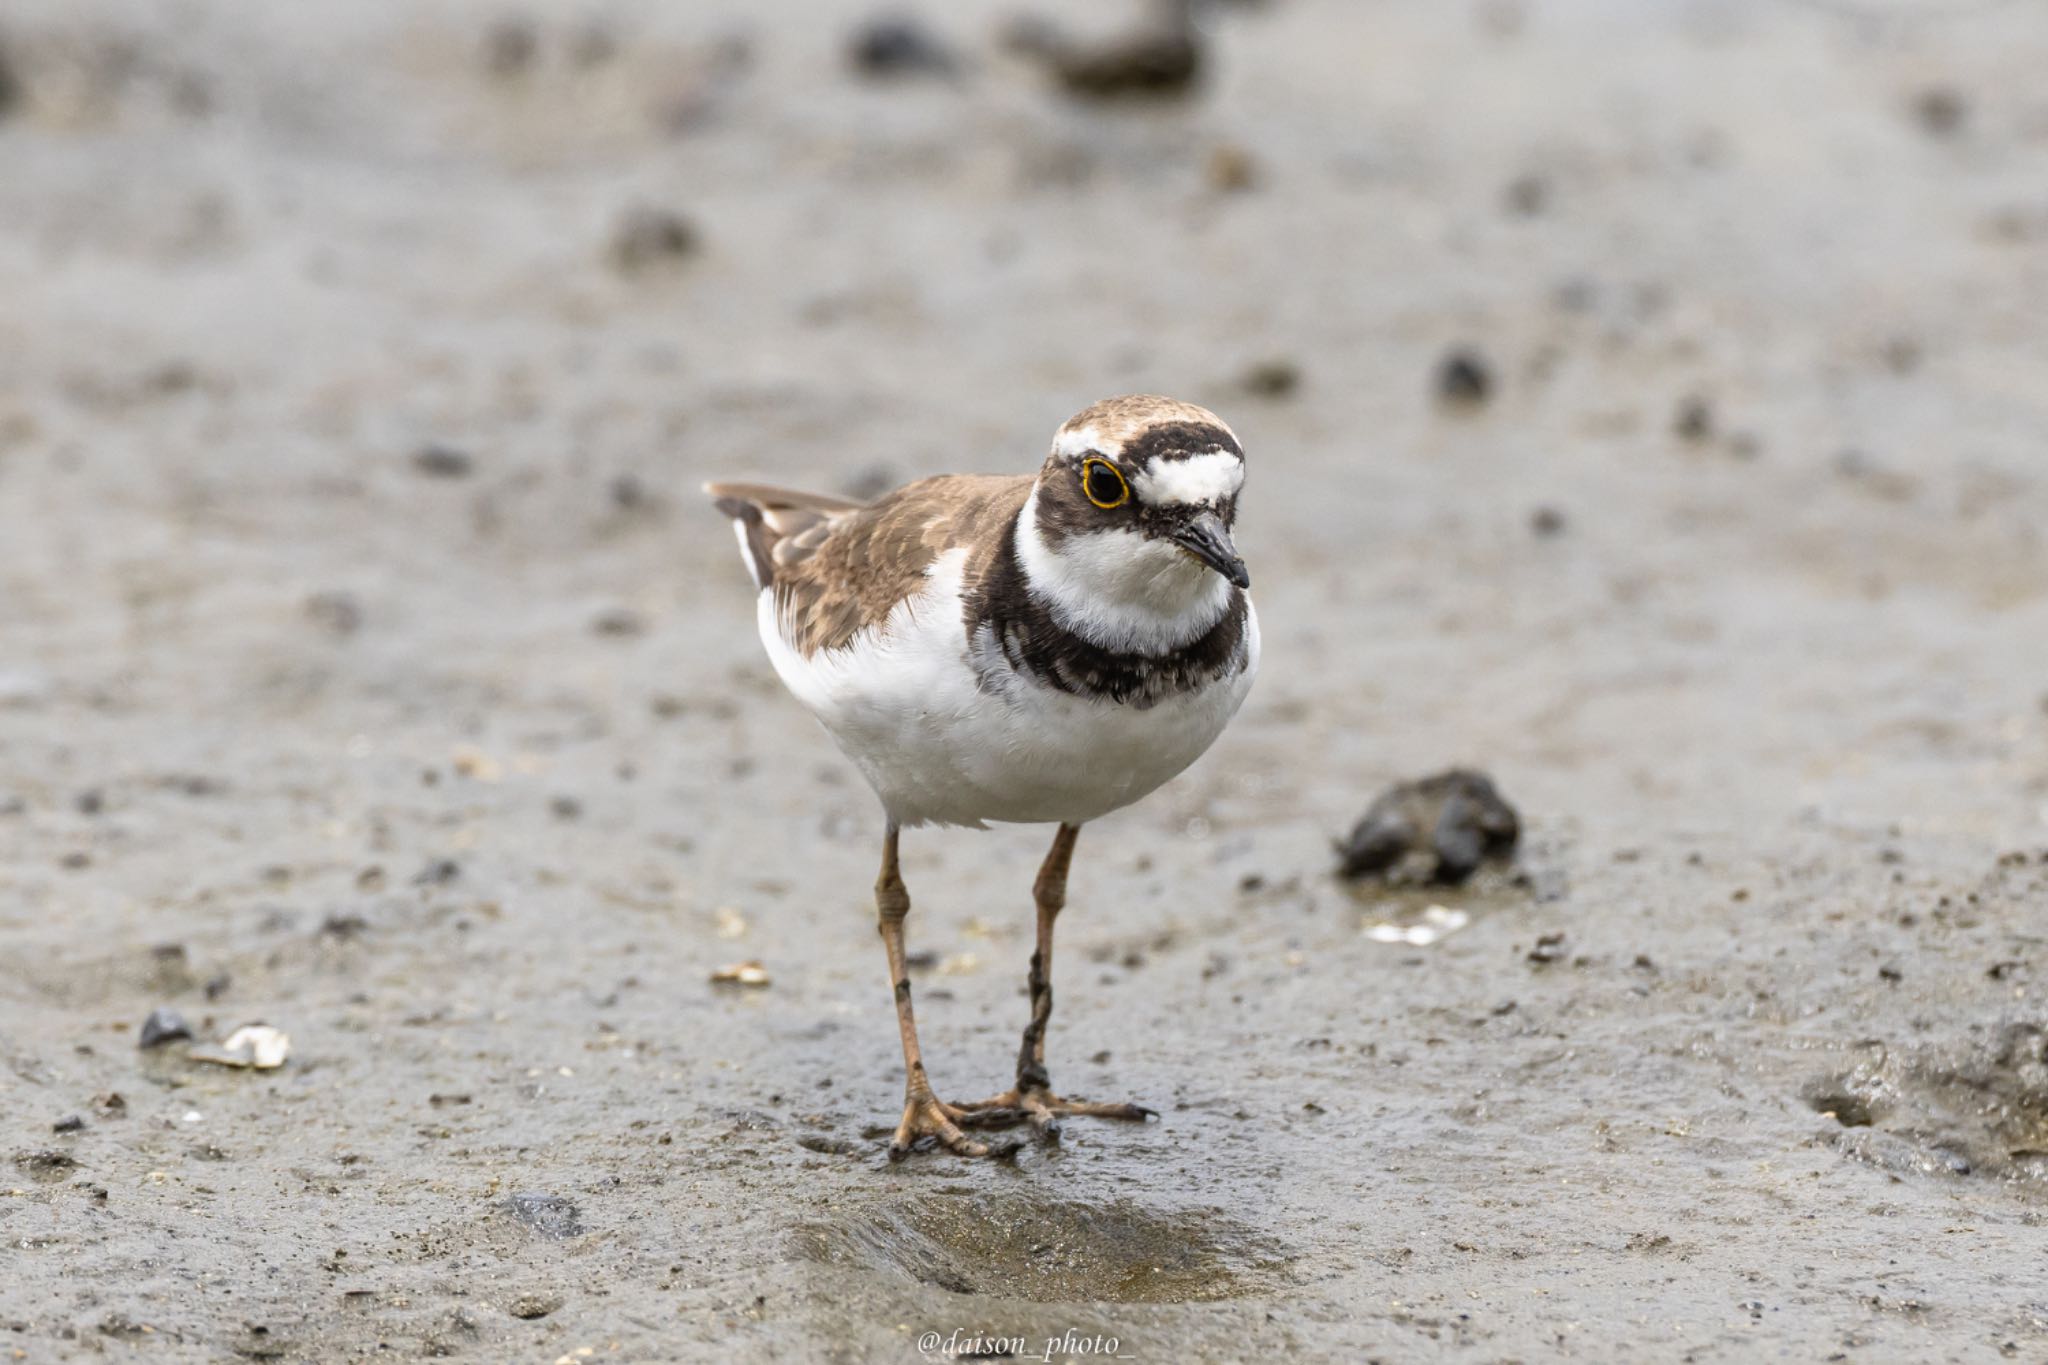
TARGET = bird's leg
x,y
924,1114
1032,1098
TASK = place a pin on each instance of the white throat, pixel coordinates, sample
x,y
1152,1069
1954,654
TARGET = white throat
x,y
1120,590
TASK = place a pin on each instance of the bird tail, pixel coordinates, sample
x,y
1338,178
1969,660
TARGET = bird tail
x,y
777,526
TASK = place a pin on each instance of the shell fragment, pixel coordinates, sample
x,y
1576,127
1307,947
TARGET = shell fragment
x,y
258,1046
1438,921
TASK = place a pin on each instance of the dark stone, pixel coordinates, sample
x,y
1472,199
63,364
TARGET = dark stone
x,y
1440,829
510,48
619,622
1548,521
1942,111
1463,378
1272,378
164,1025
443,462
438,873
628,494
1164,63
335,612
1527,195
898,45
70,1123
1694,420
1162,60
647,238
343,925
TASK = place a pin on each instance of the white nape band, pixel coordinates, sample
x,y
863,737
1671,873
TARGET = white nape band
x,y
1194,479
1121,590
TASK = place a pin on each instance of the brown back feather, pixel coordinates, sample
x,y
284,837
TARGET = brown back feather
x,y
838,567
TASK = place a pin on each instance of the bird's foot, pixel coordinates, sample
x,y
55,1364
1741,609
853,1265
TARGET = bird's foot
x,y
1043,1110
930,1122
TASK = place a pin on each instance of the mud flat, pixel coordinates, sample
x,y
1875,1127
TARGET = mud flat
x,y
1643,406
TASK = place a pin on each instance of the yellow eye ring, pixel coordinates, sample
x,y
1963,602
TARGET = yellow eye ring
x,y
1091,472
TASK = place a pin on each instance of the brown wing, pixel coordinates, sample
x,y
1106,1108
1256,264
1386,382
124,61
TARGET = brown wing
x,y
838,567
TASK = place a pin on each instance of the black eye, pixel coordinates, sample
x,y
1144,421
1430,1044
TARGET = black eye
x,y
1103,485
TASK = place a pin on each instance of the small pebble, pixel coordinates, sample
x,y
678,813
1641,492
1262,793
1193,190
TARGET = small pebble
x,y
440,872
647,238
1942,111
1275,378
898,45
628,494
1548,521
1527,196
443,462
1694,420
1232,169
70,1123
164,1025
510,47
1164,62
618,622
1463,378
334,612
1162,58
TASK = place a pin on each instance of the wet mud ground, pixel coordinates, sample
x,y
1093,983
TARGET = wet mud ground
x,y
369,667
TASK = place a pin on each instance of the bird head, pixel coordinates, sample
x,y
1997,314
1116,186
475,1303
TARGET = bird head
x,y
1148,481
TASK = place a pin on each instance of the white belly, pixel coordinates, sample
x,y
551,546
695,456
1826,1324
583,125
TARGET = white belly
x,y
903,703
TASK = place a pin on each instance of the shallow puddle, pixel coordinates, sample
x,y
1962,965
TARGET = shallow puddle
x,y
1019,1246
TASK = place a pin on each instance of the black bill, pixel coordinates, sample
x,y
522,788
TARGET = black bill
x,y
1208,539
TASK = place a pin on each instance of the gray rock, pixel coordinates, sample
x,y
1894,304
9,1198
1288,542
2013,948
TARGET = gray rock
x,y
1439,829
164,1025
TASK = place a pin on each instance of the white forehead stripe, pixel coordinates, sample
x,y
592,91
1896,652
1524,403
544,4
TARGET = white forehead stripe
x,y
1197,478
1069,444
